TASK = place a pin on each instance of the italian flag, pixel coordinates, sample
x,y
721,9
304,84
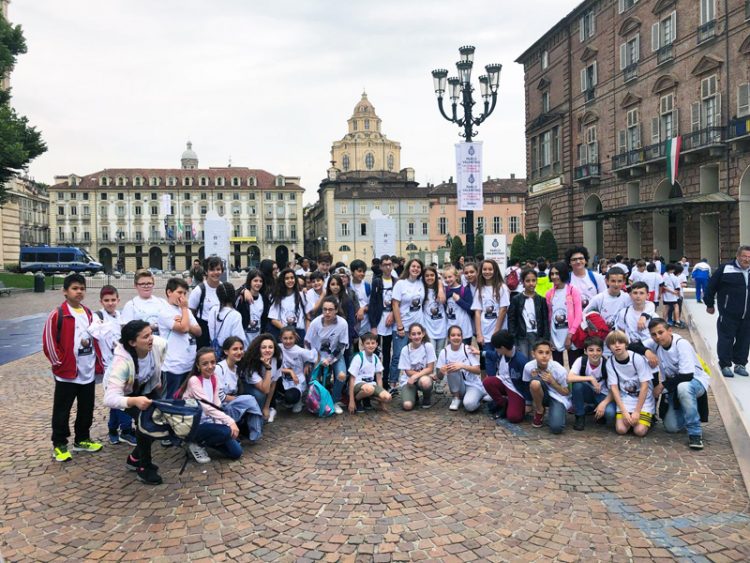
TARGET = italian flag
x,y
673,157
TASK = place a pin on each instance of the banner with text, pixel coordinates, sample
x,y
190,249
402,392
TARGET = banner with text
x,y
496,248
469,176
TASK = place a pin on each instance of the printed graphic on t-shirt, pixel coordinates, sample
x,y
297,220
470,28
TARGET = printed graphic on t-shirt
x,y
416,304
86,348
436,311
387,299
289,316
560,317
490,312
253,325
631,388
450,311
325,346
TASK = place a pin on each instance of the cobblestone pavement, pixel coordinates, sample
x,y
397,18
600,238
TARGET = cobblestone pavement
x,y
426,485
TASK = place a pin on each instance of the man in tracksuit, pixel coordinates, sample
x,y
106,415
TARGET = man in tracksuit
x,y
729,286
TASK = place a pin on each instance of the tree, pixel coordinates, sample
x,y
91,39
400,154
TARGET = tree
x,y
457,249
518,247
548,246
19,143
532,246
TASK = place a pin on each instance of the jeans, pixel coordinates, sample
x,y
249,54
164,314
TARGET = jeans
x,y
65,394
385,349
526,343
259,395
700,287
556,420
242,409
687,415
583,394
173,382
397,344
733,340
490,358
218,437
119,419
439,344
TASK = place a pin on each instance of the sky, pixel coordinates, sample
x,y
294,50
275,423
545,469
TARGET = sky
x,y
268,85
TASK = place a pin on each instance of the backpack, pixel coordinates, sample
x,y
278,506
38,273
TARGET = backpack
x,y
595,326
215,344
60,320
512,280
171,418
319,401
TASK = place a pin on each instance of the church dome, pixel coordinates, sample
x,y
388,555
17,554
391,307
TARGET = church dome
x,y
189,158
364,107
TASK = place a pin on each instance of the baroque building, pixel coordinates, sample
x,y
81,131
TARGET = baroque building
x,y
121,216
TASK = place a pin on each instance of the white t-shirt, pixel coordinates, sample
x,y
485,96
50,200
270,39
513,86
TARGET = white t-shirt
x,y
486,302
208,302
414,359
682,279
225,323
288,313
434,316
85,355
559,374
529,314
181,346
448,356
559,326
364,368
312,297
387,307
653,281
628,377
146,367
636,275
255,313
455,315
596,372
680,357
671,282
503,372
138,309
106,330
294,358
329,340
361,290
608,306
410,295
627,321
226,380
588,289
256,377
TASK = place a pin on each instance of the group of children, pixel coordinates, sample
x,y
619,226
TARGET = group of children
x,y
245,353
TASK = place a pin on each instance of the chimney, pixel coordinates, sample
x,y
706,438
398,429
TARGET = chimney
x,y
450,180
512,175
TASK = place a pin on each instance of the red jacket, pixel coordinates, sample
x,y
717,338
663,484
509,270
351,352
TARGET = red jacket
x,y
60,348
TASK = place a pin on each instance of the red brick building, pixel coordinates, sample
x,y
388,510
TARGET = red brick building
x,y
605,88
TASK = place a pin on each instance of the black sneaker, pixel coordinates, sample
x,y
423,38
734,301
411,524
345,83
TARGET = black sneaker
x,y
360,407
132,464
426,403
580,423
149,475
367,404
695,442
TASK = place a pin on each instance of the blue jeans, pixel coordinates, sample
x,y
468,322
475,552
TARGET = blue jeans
x,y
259,395
119,419
700,287
556,414
397,344
490,358
687,415
174,380
218,437
583,394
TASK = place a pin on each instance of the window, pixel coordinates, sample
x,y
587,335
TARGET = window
x,y
363,209
480,224
60,210
588,151
204,209
425,209
463,225
626,5
391,208
153,181
410,228
253,231
344,229
120,196
513,224
369,161
442,225
103,212
137,210
219,195
663,35
292,197
280,196
73,210
269,232
630,138
708,11
410,209
236,196
586,25
86,211
545,149
187,181
425,228
390,162
251,181
60,195
73,195
345,163
235,182
187,209
86,236
545,102
86,195
707,113
251,209
497,225
630,54
282,231
219,181
743,100
121,181
544,59
665,126
138,235
293,232
367,124
137,196
138,181
280,181
343,209
589,79
171,181
363,229
154,210
105,234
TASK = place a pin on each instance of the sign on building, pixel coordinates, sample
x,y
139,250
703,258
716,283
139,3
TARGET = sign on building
x,y
496,248
217,238
384,233
469,176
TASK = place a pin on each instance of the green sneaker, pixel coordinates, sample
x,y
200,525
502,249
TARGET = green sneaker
x,y
86,446
61,453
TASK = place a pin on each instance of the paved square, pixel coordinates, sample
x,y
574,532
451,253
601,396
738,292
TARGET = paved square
x,y
426,485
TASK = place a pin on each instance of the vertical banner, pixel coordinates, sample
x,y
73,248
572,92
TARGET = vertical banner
x,y
469,176
496,248
217,238
384,233
166,204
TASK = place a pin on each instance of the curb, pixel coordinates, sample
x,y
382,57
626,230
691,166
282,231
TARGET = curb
x,y
735,423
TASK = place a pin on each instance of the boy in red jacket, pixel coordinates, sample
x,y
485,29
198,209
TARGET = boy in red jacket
x,y
75,359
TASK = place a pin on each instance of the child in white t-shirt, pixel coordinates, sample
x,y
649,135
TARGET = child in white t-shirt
x,y
548,385
366,376
243,408
460,366
223,320
417,366
144,306
294,363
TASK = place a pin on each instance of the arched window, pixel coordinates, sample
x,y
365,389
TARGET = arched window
x,y
345,162
390,162
369,161
344,248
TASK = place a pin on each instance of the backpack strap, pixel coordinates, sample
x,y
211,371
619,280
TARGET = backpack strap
x,y
584,365
368,289
100,315
592,277
199,309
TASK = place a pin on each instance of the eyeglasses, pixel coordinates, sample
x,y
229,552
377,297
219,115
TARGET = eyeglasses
x,y
145,285
578,259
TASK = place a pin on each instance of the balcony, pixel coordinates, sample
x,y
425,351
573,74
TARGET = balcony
x,y
709,141
587,174
665,54
738,133
630,72
640,161
707,31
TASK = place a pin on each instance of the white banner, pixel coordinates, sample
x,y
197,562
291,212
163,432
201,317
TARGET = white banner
x,y
469,176
496,248
166,204
217,238
384,234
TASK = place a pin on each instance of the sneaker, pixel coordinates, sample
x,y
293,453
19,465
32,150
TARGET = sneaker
x,y
167,443
128,437
695,442
367,404
426,403
538,418
298,406
455,403
132,464
681,324
440,387
338,409
727,372
199,453
393,390
740,370
271,415
86,446
580,423
114,437
61,453
360,407
148,475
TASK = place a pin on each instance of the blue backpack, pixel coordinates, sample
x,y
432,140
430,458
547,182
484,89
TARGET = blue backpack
x,y
319,401
171,418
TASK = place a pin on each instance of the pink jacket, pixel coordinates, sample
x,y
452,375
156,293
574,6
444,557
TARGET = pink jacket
x,y
194,390
573,305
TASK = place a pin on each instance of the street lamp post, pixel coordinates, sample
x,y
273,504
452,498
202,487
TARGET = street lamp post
x,y
461,88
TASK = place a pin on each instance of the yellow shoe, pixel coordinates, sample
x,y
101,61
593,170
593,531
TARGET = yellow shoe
x,y
61,453
86,446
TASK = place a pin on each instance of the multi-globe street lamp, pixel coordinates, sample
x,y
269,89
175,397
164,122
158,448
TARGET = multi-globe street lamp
x,y
460,88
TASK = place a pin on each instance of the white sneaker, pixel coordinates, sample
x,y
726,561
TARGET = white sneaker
x,y
455,403
271,414
487,398
297,408
338,408
199,453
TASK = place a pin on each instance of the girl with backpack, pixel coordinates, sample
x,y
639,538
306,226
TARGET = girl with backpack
x,y
528,318
565,313
458,300
434,308
417,366
217,429
259,370
223,320
132,380
288,306
242,408
490,307
293,360
250,303
461,368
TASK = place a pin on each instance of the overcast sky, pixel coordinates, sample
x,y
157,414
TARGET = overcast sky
x,y
269,84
